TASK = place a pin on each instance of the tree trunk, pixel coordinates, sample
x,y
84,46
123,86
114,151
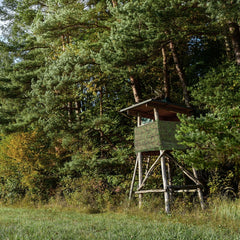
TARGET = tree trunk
x,y
227,48
70,111
114,3
63,43
135,89
180,74
77,109
101,101
235,38
101,114
166,85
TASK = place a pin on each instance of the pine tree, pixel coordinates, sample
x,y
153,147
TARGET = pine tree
x,y
226,14
139,33
75,100
213,137
27,61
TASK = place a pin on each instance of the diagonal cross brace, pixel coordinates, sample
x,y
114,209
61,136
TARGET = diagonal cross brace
x,y
189,174
150,171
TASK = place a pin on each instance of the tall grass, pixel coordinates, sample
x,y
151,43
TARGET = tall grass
x,y
229,210
220,221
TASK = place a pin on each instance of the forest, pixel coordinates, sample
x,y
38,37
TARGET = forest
x,y
67,67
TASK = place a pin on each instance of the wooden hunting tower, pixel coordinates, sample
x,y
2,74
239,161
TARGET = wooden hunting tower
x,y
155,136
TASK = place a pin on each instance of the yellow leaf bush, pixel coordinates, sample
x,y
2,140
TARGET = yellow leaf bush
x,y
25,157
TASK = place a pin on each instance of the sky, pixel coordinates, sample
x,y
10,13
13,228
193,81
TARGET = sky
x,y
1,23
0,20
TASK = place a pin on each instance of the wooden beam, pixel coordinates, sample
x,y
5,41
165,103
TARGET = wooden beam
x,y
169,172
133,179
146,114
140,176
139,122
150,191
165,182
139,154
200,195
168,107
150,171
162,191
156,115
185,190
147,164
184,187
160,105
185,171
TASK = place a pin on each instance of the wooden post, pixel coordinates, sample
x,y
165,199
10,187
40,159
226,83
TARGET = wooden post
x,y
133,179
140,177
164,172
165,185
169,179
139,156
200,194
156,115
147,165
150,170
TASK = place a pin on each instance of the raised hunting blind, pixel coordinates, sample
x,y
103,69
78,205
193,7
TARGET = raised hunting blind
x,y
154,135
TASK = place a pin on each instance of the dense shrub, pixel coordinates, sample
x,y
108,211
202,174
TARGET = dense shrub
x,y
27,167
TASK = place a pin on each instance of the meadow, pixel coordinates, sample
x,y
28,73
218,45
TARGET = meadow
x,y
220,221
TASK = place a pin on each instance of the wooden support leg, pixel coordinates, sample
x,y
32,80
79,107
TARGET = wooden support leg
x,y
150,170
200,194
185,171
165,186
147,165
133,179
140,177
169,179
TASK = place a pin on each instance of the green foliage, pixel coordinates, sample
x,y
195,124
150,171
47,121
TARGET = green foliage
x,y
90,194
65,69
28,167
140,30
213,137
220,183
222,11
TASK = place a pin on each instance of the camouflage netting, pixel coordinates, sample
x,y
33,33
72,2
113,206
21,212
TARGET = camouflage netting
x,y
155,136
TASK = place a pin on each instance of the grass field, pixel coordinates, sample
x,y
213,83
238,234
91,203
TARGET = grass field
x,y
221,222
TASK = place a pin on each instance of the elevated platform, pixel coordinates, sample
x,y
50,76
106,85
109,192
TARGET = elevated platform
x,y
157,121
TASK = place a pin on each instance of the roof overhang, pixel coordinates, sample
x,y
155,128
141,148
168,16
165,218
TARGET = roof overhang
x,y
166,110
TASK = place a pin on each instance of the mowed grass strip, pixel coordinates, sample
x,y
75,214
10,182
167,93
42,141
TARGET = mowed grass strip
x,y
24,224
